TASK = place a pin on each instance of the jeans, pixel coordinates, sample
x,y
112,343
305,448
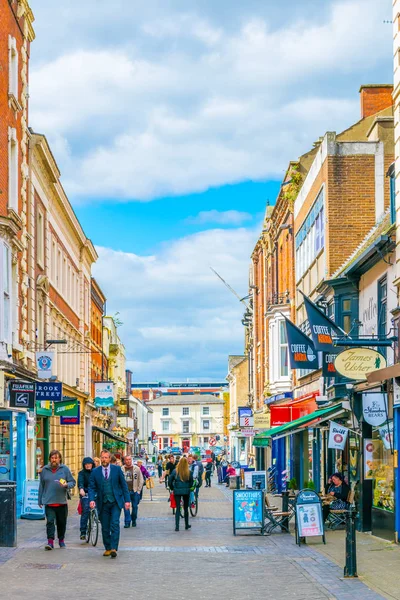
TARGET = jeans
x,y
85,514
159,468
135,500
208,478
109,519
185,509
56,515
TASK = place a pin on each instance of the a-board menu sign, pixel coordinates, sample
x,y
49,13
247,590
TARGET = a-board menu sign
x,y
30,506
309,521
255,479
248,510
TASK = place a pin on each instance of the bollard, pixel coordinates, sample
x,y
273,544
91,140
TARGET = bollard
x,y
238,482
350,569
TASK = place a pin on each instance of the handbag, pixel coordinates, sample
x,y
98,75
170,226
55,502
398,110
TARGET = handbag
x,y
172,501
79,508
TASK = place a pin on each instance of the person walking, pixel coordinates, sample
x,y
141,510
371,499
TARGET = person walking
x,y
55,482
134,479
88,465
108,491
169,468
160,466
145,473
180,482
209,468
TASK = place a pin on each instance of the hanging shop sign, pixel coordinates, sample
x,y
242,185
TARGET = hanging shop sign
x,y
50,392
386,433
248,510
67,408
302,354
374,408
396,393
337,436
262,420
328,363
246,418
370,446
104,394
323,329
66,420
22,394
355,363
45,364
309,522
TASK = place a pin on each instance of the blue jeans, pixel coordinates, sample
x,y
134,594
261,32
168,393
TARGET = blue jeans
x,y
84,515
109,519
135,500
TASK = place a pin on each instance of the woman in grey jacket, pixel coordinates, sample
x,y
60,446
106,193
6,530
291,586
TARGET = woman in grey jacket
x,y
55,482
180,482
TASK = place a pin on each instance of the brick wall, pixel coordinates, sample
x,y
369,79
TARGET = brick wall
x,y
375,98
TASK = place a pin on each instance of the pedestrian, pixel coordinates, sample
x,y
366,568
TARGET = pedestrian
x,y
209,468
180,482
108,491
145,473
169,468
201,472
97,462
159,466
113,459
338,491
55,482
118,462
83,487
134,479
230,472
213,460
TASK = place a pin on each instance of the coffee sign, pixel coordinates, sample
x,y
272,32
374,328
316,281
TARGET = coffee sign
x,y
355,363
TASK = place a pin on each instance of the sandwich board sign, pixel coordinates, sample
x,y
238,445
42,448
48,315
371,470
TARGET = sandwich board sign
x,y
309,521
248,510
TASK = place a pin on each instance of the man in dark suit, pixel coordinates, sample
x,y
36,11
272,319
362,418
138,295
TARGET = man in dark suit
x,y
109,491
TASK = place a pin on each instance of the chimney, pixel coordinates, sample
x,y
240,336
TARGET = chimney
x,y
374,98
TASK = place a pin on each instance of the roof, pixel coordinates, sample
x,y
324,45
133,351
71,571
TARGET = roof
x,y
184,400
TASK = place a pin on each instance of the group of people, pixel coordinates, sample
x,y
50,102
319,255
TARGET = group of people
x,y
103,484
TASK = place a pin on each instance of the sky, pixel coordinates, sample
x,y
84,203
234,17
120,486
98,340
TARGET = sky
x,y
173,123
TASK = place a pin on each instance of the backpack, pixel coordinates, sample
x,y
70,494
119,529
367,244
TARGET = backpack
x,y
201,469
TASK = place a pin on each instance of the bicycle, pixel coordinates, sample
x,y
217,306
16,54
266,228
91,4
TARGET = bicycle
x,y
92,530
193,505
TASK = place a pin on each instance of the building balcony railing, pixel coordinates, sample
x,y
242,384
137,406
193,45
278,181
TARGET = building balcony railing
x,y
278,300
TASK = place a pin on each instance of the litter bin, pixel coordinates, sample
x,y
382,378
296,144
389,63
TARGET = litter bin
x,y
8,514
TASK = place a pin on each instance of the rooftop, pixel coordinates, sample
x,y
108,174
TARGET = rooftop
x,y
185,400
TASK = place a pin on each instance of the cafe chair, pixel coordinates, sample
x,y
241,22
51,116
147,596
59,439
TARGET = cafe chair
x,y
338,518
275,518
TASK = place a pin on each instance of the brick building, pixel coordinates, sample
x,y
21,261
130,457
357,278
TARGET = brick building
x,y
16,356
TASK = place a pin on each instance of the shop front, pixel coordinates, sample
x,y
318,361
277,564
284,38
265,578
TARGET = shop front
x,y
13,449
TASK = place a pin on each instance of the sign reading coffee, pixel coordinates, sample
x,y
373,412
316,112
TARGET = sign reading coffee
x,y
355,363
323,329
302,353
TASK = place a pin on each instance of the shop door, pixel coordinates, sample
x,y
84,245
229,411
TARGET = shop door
x,y
185,445
5,449
42,443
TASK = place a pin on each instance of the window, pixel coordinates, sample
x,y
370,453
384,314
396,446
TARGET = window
x,y
392,177
6,285
40,324
206,410
310,239
59,270
13,66
165,442
185,427
185,411
12,169
346,314
382,310
165,412
283,350
40,238
165,426
53,261
206,424
205,440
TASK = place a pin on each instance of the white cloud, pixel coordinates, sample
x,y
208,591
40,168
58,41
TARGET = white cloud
x,y
179,319
227,217
190,104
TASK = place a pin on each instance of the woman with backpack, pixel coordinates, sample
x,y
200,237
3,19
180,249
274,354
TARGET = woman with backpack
x,y
180,482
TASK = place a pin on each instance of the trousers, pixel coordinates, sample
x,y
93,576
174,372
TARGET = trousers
x,y
56,515
109,519
84,515
135,500
185,509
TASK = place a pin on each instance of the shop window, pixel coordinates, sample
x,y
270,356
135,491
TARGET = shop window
x,y
379,468
283,350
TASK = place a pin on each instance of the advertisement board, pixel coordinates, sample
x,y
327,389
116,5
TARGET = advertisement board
x,y
30,496
248,510
253,478
104,394
309,521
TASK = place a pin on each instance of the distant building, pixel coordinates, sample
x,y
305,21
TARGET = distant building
x,y
147,391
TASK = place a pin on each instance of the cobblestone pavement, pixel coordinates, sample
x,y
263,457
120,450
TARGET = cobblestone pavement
x,y
156,562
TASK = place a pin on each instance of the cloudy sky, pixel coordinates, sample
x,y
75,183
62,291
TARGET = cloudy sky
x,y
172,123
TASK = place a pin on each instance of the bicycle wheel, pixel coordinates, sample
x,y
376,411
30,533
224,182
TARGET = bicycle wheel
x,y
89,528
181,509
94,529
193,507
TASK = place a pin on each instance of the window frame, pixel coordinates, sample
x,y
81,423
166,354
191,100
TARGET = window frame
x,y
163,413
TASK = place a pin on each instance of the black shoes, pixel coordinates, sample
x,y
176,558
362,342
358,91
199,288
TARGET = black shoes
x,y
127,526
188,527
133,523
176,528
113,554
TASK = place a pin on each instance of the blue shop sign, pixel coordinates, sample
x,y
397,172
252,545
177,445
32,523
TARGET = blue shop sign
x,y
277,397
46,391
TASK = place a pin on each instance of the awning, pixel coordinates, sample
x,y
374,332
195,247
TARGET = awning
x,y
109,434
260,441
382,375
312,419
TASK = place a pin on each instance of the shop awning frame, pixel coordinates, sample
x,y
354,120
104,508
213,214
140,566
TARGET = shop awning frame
x,y
109,434
312,419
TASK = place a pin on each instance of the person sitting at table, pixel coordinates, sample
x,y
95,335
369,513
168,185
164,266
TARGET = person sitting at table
x,y
339,490
230,472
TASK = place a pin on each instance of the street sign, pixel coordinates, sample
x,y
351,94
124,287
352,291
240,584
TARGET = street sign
x,y
212,442
247,432
46,391
246,418
22,394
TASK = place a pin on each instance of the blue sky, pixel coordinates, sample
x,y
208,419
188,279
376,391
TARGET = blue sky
x,y
172,125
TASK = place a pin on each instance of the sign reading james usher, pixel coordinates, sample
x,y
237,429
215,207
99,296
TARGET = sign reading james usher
x,y
355,363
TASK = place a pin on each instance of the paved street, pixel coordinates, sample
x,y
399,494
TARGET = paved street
x,y
157,562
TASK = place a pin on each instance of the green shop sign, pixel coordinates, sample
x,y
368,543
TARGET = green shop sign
x,y
66,409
